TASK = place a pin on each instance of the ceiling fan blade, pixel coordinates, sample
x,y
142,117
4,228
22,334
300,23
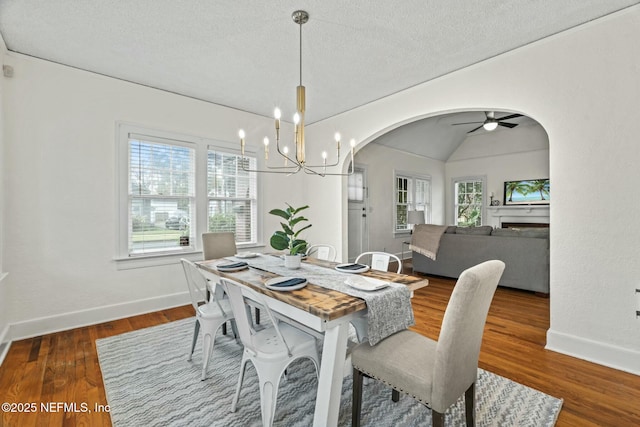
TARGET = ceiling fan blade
x,y
473,130
507,125
513,116
467,123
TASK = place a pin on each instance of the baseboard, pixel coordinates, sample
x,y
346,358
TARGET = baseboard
x,y
62,322
5,344
609,355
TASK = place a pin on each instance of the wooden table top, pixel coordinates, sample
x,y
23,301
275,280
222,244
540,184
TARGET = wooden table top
x,y
327,304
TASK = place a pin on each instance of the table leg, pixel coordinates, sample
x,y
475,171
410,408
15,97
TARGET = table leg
x,y
331,375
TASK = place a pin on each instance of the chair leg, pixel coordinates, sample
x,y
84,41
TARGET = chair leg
x,y
268,399
437,419
195,338
243,366
469,405
395,395
207,344
356,403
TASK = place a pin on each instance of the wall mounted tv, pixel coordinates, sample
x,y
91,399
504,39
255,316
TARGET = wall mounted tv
x,y
527,192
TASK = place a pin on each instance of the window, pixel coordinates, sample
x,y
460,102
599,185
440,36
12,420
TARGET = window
x,y
411,193
355,186
232,193
161,194
468,201
175,187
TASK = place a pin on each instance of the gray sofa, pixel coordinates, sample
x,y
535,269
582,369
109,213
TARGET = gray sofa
x,y
525,252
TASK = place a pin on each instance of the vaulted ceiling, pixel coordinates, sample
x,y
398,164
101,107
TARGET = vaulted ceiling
x,y
244,54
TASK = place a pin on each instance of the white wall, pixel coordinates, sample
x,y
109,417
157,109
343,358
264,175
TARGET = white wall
x,y
381,163
566,83
60,204
60,186
4,305
501,155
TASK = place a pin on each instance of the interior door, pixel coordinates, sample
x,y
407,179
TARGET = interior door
x,y
357,218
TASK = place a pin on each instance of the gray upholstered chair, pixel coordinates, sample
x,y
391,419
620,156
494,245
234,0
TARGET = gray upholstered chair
x,y
219,245
436,373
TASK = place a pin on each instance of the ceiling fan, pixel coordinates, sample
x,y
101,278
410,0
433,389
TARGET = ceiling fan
x,y
491,123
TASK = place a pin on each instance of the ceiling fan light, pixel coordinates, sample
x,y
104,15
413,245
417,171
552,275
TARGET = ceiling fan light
x,y
490,125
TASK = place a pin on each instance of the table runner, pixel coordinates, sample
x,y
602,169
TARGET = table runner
x,y
389,310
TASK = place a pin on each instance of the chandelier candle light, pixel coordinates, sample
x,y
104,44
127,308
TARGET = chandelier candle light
x,y
297,163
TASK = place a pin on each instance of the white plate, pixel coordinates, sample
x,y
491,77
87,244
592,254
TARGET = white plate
x,y
247,255
358,270
227,269
272,284
366,283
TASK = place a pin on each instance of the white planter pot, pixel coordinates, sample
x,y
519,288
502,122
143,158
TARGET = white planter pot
x,y
292,261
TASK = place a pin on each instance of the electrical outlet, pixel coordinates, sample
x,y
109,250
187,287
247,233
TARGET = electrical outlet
x,y
637,303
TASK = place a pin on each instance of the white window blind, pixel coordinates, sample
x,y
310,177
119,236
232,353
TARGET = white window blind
x,y
161,196
232,195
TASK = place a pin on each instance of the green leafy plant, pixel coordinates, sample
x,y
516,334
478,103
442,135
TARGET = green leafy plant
x,y
287,239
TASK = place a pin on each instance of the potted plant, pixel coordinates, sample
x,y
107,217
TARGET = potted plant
x,y
287,238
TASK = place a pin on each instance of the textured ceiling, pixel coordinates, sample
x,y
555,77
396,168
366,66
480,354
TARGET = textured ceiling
x,y
244,54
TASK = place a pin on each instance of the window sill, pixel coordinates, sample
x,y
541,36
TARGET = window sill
x,y
143,261
155,260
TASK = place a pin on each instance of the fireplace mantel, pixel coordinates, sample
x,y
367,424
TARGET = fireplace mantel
x,y
525,213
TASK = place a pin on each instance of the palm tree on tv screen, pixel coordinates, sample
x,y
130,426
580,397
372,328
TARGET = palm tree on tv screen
x,y
516,186
540,186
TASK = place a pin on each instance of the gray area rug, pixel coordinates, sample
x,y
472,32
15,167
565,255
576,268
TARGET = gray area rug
x,y
149,382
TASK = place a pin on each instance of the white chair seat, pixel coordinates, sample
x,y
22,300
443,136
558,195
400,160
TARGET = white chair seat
x,y
212,310
269,346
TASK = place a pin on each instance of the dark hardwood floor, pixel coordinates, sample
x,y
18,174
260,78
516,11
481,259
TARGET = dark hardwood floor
x,y
63,367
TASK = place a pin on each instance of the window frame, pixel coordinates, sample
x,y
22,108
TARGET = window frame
x,y
411,177
475,178
201,145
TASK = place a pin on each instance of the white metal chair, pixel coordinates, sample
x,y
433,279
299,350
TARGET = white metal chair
x,y
380,260
271,350
322,251
210,315
436,373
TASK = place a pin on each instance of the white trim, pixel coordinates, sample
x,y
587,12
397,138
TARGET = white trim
x,y
4,345
620,358
62,322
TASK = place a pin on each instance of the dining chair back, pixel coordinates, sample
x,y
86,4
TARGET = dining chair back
x,y
322,251
218,245
435,373
271,350
211,313
380,260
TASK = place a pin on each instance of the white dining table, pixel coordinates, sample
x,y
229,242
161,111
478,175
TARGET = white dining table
x,y
325,311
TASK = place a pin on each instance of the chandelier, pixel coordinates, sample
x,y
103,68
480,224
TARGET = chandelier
x,y
295,163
